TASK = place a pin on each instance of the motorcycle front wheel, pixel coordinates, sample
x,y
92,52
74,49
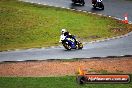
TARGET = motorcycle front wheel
x,y
94,6
83,2
66,46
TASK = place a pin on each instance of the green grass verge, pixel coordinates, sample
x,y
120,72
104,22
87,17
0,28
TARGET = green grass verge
x,y
24,25
52,82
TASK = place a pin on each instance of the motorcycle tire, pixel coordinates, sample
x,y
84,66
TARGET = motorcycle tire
x,y
80,45
66,46
94,6
83,2
102,7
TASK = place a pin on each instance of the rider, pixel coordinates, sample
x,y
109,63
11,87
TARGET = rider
x,y
65,33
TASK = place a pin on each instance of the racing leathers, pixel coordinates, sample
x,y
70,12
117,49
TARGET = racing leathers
x,y
62,37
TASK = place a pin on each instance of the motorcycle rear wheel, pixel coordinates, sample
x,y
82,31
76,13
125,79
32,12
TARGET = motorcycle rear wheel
x,y
102,7
80,45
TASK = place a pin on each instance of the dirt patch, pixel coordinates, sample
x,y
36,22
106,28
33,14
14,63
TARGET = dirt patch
x,y
61,67
94,37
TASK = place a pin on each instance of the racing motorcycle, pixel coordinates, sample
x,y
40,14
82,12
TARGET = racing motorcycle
x,y
96,4
70,43
81,2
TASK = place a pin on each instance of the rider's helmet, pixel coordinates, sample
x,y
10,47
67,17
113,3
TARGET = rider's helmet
x,y
63,31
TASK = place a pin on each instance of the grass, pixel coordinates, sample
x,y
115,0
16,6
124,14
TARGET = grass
x,y
24,25
52,82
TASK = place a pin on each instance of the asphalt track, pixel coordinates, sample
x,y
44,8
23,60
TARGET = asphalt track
x,y
119,46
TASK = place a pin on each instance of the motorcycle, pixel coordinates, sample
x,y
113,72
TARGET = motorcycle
x,y
81,2
96,4
70,43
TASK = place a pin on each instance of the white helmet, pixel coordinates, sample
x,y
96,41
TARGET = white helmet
x,y
63,31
